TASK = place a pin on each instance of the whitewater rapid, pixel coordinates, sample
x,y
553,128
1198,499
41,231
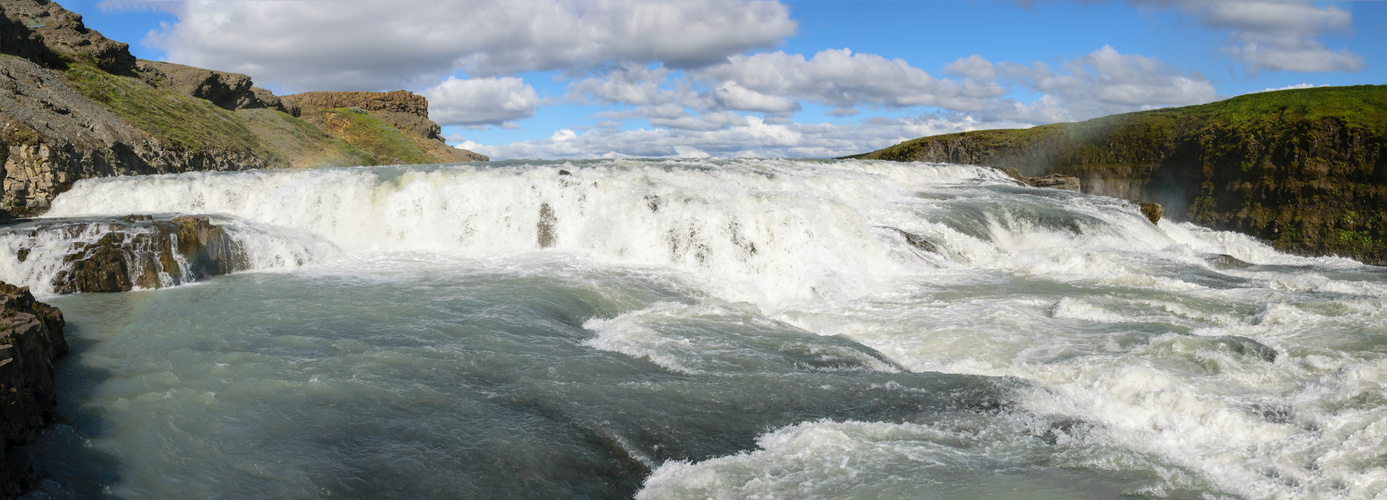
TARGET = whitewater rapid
x,y
1203,358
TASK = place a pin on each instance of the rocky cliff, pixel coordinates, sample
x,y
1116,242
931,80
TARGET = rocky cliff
x,y
340,113
31,338
74,105
1303,169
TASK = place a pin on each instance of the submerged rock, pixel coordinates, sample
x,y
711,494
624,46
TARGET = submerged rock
x,y
31,338
545,233
1225,261
149,253
1244,346
918,241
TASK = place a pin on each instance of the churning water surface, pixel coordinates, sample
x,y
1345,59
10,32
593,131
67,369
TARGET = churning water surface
x,y
707,328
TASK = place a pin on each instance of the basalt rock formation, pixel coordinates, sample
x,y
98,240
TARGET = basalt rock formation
x,y
75,105
403,110
146,253
31,339
226,90
41,30
1305,170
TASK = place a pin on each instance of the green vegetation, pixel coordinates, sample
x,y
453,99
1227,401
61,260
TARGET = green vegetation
x,y
300,142
174,118
183,122
385,143
1301,168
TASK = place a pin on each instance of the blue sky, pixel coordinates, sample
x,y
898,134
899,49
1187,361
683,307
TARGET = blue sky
x,y
602,78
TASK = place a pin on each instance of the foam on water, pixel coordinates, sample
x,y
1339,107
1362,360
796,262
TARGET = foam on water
x,y
1146,364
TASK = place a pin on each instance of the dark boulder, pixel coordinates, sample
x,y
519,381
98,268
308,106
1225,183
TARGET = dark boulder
x,y
31,339
1152,211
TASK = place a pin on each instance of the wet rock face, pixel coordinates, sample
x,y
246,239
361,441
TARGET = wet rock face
x,y
149,253
1152,211
1057,181
31,339
545,233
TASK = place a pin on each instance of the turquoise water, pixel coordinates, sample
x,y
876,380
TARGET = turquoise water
x,y
727,329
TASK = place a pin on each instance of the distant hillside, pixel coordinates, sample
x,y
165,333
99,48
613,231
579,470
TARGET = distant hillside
x,y
74,104
1304,169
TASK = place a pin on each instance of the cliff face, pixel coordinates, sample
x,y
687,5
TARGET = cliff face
x,y
74,105
31,338
402,110
1303,169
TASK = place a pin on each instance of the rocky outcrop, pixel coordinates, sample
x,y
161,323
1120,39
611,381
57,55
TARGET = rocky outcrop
x,y
31,339
398,101
1055,181
143,252
403,110
1305,170
226,90
40,30
1152,211
51,134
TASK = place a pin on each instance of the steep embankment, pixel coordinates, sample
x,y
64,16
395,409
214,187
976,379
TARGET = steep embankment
x,y
31,338
1305,169
74,105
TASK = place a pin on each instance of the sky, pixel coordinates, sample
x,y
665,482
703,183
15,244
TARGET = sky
x,y
559,79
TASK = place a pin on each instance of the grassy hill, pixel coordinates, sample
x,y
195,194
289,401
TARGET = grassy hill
x,y
1305,169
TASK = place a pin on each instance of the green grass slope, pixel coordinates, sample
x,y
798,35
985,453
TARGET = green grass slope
x,y
385,144
1304,169
183,122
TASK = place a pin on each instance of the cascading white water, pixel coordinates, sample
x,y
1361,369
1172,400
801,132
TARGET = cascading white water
x,y
1259,378
767,231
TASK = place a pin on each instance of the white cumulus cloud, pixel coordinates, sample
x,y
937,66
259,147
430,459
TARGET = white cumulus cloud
x,y
385,44
1103,82
1274,35
481,102
747,137
843,79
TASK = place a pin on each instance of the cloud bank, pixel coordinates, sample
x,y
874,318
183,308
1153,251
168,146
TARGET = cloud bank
x,y
375,44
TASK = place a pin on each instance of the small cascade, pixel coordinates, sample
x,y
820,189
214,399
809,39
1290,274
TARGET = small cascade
x,y
133,252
